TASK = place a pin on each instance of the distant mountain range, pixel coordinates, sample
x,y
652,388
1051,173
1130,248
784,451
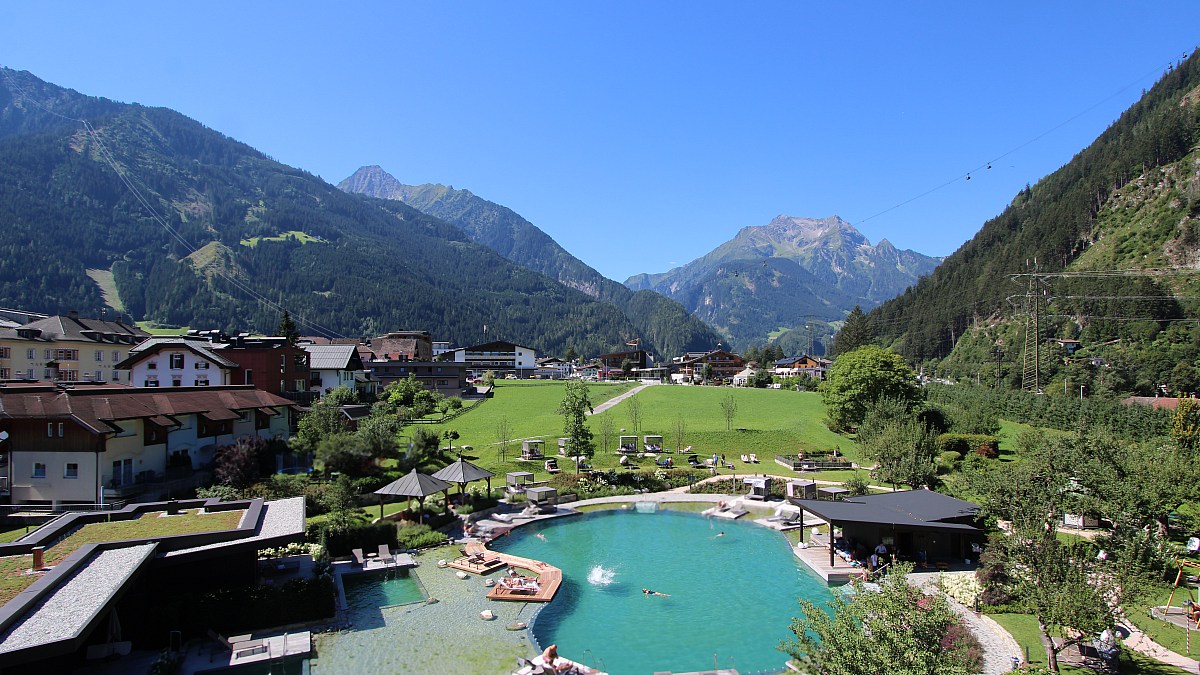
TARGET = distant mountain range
x,y
243,236
663,325
776,278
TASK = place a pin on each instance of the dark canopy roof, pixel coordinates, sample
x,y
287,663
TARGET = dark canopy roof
x,y
462,471
414,485
911,508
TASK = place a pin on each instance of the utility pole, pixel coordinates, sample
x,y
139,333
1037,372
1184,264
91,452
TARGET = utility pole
x,y
999,354
1031,370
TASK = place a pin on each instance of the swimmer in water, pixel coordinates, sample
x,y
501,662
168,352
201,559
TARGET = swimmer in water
x,y
647,591
719,534
541,536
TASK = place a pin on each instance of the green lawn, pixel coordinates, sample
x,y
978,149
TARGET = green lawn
x,y
1009,431
1168,635
302,237
155,329
13,579
1024,629
771,421
13,535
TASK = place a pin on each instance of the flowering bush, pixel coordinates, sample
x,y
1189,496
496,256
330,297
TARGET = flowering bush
x,y
962,587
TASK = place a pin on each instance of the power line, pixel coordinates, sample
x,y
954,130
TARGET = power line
x,y
985,166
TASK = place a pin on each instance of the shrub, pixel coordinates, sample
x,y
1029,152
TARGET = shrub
x,y
949,457
167,663
419,536
986,446
341,541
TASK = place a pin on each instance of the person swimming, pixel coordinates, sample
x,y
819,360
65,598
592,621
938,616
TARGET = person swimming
x,y
647,591
719,534
541,536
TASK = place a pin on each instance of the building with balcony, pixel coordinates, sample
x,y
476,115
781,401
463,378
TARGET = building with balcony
x,y
501,357
102,443
690,366
67,349
333,366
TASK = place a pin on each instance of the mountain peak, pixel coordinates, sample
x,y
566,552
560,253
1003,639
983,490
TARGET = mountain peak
x,y
797,230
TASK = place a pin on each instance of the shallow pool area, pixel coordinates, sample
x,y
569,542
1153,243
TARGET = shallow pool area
x,y
381,589
730,590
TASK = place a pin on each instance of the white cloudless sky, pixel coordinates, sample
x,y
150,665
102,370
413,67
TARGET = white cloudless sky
x,y
641,135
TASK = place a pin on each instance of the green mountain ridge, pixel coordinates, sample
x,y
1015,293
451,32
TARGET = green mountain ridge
x,y
371,265
1126,204
664,325
786,274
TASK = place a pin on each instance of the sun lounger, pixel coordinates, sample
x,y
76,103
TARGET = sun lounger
x,y
385,555
520,585
745,458
754,458
359,557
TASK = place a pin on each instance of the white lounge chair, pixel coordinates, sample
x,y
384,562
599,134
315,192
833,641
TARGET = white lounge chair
x,y
385,555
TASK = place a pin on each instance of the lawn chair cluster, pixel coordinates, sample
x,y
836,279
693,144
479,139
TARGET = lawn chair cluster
x,y
750,459
383,557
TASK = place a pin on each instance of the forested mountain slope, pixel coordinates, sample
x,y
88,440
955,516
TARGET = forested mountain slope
x,y
663,324
240,225
1128,201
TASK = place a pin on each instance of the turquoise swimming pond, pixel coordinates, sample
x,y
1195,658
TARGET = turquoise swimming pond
x,y
731,597
381,589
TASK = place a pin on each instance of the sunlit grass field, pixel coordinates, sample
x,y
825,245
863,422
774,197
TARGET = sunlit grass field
x,y
767,422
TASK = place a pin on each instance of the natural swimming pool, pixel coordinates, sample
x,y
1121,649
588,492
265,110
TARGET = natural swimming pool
x,y
381,589
731,600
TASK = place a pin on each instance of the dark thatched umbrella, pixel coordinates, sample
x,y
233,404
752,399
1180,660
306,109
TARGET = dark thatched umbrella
x,y
463,472
412,484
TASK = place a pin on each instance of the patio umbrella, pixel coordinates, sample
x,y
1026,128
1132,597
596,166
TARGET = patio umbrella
x,y
412,484
463,472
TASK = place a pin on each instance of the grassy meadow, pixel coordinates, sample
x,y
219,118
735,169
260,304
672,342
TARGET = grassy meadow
x,y
767,422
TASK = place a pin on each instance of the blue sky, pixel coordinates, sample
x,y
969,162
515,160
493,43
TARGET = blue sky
x,y
641,135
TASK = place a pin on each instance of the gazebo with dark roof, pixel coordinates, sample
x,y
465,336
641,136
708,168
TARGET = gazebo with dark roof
x,y
412,484
908,521
462,472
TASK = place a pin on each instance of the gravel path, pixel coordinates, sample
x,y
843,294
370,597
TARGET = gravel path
x,y
999,647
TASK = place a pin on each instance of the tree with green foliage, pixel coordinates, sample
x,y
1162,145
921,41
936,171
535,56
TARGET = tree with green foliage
x,y
411,394
706,372
897,629
863,376
902,447
1185,425
608,431
380,435
571,355
340,396
322,420
633,407
855,333
728,410
574,408
425,450
1064,584
761,379
287,328
503,435
237,465
345,453
450,435
627,367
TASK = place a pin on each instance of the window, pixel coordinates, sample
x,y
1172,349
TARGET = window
x,y
153,365
116,377
60,429
176,382
150,383
49,429
5,352
99,376
176,361
66,354
201,383
29,374
249,377
202,365
68,375
71,470
116,356
48,354
5,374
31,354
46,374
299,384
99,356
39,470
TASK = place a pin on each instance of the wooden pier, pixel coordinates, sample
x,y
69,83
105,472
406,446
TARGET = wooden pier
x,y
549,577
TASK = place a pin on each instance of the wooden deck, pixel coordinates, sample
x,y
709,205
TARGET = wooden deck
x,y
549,577
488,563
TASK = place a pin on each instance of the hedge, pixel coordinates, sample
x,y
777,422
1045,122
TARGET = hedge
x,y
988,446
367,536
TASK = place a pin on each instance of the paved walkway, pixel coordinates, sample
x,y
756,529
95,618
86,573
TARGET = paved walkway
x,y
617,399
999,646
1140,642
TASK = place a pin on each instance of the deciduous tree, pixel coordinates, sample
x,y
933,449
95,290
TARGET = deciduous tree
x,y
729,410
574,408
862,377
